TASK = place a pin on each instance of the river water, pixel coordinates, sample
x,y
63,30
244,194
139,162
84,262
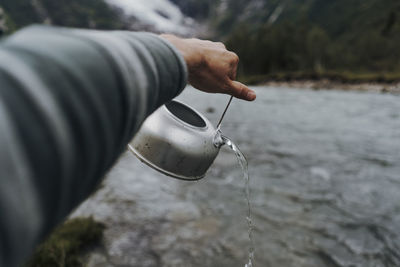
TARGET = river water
x,y
325,183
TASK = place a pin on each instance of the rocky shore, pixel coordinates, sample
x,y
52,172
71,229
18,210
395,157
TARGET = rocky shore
x,y
326,84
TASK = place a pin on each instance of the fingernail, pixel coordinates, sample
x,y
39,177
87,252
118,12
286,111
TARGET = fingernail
x,y
251,96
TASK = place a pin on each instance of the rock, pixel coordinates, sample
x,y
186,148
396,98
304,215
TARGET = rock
x,y
210,110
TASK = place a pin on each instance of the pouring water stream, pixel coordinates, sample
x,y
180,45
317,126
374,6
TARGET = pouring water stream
x,y
220,140
244,165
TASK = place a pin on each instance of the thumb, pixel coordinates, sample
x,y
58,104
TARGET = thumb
x,y
241,91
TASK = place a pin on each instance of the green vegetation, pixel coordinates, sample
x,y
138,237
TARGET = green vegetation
x,y
66,243
357,40
349,41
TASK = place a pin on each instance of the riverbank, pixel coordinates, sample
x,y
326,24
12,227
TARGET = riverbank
x,y
372,82
393,88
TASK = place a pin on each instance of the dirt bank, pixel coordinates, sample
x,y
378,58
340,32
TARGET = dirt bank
x,y
328,84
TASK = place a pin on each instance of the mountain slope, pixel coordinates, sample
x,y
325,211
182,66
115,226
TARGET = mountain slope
x,y
270,36
162,15
152,15
315,36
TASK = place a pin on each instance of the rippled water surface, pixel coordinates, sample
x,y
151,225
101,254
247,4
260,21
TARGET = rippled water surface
x,y
325,169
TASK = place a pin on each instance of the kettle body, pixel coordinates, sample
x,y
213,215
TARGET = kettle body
x,y
178,141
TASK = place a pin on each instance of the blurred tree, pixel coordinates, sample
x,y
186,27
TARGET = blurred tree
x,y
317,42
319,36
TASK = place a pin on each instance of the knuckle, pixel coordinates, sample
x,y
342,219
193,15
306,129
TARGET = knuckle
x,y
233,54
234,58
227,54
220,44
241,90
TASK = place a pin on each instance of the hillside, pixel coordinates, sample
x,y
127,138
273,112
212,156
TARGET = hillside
x,y
150,15
274,38
342,39
160,15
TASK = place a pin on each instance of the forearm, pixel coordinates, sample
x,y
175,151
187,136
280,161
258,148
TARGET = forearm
x,y
71,101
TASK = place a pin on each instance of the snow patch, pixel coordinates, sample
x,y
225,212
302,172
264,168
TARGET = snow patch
x,y
161,14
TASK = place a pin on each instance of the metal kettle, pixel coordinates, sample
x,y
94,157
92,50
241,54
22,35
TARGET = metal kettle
x,y
178,141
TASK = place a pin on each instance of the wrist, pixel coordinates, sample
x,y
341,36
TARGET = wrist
x,y
190,53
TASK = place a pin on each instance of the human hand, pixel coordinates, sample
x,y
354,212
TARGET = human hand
x,y
212,68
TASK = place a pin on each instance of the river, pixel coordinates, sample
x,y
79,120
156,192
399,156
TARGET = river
x,y
325,182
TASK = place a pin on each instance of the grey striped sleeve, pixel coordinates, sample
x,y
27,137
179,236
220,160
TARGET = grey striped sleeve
x,y
70,101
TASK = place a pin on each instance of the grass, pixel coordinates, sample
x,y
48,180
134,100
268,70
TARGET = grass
x,y
341,77
64,246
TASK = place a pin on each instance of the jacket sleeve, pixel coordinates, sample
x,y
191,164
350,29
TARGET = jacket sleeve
x,y
70,101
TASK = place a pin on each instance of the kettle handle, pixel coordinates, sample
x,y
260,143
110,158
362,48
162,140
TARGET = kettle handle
x,y
223,114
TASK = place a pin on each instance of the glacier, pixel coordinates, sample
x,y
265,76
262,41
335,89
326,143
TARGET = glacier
x,y
163,15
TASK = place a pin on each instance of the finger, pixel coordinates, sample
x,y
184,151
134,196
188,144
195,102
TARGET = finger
x,y
241,91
